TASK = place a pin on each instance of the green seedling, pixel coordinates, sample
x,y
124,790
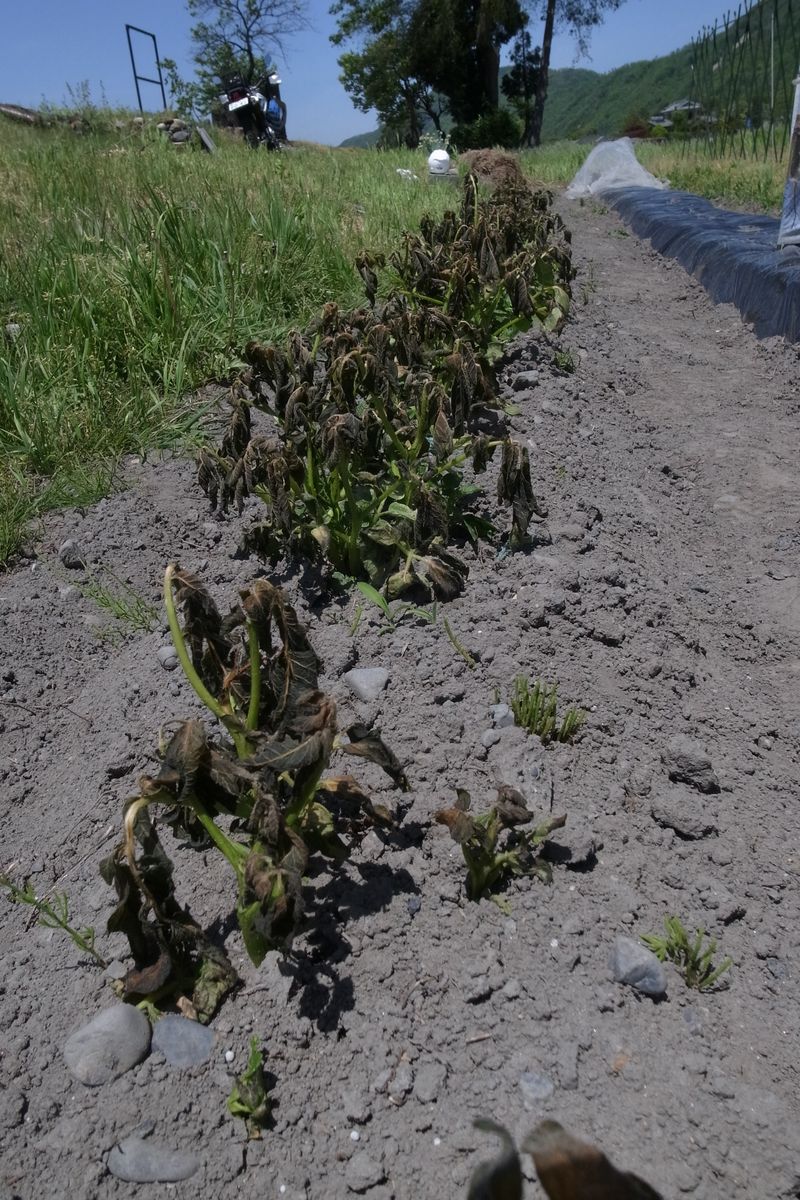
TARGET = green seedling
x,y
494,845
535,706
258,794
122,602
394,614
564,360
694,961
53,914
249,1098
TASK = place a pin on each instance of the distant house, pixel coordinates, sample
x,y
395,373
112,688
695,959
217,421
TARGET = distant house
x,y
663,119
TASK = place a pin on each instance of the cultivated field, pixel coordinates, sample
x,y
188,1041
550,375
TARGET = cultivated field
x,y
479,665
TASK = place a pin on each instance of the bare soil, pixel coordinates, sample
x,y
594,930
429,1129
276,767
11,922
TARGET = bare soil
x,y
666,602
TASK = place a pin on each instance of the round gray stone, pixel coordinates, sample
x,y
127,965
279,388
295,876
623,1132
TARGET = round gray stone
x,y
114,1041
363,1172
634,964
138,1160
367,683
536,1087
183,1043
71,555
168,658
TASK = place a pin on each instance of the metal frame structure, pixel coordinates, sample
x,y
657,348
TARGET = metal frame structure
x,y
743,72
137,78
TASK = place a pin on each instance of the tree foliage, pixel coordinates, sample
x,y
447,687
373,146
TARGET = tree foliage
x,y
381,73
520,82
230,38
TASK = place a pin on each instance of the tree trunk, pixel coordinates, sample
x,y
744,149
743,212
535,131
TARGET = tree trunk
x,y
489,69
535,133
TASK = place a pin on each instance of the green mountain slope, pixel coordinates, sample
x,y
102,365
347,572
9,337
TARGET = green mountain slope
x,y
581,102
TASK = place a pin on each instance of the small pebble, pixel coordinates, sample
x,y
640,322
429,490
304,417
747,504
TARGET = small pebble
x,y
71,556
229,1056
168,658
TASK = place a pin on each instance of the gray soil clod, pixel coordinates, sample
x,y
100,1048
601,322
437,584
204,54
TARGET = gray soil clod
x,y
427,1011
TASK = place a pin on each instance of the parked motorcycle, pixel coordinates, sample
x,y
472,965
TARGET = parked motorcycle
x,y
259,110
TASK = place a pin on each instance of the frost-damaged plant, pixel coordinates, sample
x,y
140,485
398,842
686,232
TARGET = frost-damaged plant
x,y
493,843
257,795
535,708
499,267
249,1098
375,410
694,961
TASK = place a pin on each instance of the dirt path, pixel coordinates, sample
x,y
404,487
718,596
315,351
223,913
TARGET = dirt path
x,y
666,602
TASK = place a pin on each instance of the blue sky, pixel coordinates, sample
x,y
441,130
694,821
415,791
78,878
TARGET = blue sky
x,y
48,44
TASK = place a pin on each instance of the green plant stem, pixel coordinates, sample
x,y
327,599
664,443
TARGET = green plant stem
x,y
235,853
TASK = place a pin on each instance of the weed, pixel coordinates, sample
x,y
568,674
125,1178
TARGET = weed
x,y
535,708
258,795
250,1098
458,647
122,602
694,961
564,361
394,614
53,914
493,844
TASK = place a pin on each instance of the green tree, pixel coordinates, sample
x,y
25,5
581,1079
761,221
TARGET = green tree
x,y
456,49
230,38
380,73
577,17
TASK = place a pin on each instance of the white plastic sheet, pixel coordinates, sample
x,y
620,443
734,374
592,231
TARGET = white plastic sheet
x,y
611,165
789,233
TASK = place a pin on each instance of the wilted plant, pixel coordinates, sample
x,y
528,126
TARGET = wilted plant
x,y
258,796
694,961
249,1098
374,409
53,914
535,708
493,843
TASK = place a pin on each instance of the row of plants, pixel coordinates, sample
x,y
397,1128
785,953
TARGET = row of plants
x,y
365,459
368,467
375,442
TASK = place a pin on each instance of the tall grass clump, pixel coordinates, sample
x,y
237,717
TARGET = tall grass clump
x,y
136,273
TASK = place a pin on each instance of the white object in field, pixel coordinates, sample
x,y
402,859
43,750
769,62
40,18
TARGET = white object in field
x,y
611,165
439,162
789,233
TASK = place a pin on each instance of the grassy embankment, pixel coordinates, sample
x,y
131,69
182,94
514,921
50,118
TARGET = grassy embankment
x,y
135,273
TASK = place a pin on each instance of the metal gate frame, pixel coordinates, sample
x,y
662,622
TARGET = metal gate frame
x,y
144,78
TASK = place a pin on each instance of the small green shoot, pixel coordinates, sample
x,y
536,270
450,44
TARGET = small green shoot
x,y
695,963
457,646
535,705
53,914
122,602
249,1098
493,845
564,360
394,614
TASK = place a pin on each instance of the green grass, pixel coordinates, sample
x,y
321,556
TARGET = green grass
x,y
137,272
